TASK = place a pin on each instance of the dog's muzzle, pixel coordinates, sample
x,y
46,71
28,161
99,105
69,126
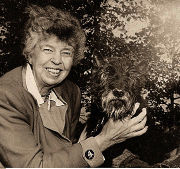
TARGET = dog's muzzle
x,y
117,103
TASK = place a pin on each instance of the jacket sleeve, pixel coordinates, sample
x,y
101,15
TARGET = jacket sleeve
x,y
76,111
89,146
18,147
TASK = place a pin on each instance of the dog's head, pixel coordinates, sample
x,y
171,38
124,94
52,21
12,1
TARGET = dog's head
x,y
119,82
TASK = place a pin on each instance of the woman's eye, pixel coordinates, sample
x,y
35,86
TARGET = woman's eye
x,y
48,50
66,53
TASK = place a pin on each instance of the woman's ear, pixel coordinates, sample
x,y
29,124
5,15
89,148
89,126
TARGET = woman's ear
x,y
29,59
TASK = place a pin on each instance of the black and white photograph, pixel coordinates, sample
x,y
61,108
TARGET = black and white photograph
x,y
89,83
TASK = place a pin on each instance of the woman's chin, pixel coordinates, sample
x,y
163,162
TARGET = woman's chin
x,y
53,80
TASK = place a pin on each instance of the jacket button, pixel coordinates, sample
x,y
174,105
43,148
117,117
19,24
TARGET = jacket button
x,y
89,154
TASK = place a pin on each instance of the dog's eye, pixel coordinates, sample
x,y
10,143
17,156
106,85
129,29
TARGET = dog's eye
x,y
116,77
118,93
111,86
110,70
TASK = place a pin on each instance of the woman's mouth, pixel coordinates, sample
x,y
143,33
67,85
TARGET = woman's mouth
x,y
54,72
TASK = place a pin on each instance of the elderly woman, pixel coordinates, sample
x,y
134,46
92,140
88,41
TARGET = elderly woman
x,y
39,107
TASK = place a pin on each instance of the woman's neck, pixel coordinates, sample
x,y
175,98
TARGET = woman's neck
x,y
44,91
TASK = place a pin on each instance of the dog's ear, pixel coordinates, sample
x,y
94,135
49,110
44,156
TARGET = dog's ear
x,y
142,73
99,61
142,67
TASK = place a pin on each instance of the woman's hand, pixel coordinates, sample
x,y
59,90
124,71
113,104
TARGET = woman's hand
x,y
118,131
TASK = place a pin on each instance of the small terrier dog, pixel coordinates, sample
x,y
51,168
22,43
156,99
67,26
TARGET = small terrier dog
x,y
117,84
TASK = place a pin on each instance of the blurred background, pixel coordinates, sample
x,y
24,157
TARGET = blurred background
x,y
147,30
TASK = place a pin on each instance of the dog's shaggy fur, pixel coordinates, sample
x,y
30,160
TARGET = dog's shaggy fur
x,y
116,86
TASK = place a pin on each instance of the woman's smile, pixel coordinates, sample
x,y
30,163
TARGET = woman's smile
x,y
55,72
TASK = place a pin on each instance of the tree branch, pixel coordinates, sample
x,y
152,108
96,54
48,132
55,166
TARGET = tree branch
x,y
176,98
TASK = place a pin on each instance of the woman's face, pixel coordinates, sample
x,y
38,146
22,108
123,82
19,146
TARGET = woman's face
x,y
51,61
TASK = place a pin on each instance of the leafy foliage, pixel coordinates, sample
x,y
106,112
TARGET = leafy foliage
x,y
148,31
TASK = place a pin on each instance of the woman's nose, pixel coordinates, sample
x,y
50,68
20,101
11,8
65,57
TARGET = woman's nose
x,y
57,59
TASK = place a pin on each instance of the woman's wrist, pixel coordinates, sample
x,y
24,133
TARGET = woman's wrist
x,y
102,143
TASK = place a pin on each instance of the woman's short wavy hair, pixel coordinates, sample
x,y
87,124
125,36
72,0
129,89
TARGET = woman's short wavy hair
x,y
47,21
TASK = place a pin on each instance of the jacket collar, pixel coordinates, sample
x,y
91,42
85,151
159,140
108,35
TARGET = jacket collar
x,y
17,75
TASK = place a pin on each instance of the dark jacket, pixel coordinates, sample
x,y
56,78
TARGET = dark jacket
x,y
24,141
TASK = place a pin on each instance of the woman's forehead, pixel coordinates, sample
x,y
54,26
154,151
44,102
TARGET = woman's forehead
x,y
52,40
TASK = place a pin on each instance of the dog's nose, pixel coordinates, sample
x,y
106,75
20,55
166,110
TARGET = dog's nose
x,y
118,93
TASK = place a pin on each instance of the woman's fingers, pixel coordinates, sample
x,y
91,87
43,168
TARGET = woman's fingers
x,y
137,133
136,106
138,118
139,126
